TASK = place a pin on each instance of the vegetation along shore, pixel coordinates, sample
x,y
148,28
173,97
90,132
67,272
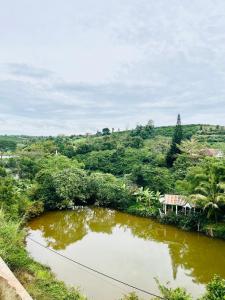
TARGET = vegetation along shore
x,y
175,174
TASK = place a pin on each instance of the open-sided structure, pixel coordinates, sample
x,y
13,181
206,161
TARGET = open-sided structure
x,y
176,203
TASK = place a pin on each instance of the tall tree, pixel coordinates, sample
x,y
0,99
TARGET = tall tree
x,y
176,141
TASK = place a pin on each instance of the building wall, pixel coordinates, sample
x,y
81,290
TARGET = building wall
x,y
10,287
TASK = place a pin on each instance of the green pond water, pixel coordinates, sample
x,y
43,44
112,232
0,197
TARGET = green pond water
x,y
130,248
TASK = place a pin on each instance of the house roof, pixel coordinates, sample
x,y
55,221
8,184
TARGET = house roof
x,y
212,152
174,200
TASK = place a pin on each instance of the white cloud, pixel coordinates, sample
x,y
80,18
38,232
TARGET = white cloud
x,y
70,66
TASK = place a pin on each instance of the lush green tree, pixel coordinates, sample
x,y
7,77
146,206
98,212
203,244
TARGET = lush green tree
x,y
210,191
39,149
119,161
153,177
107,190
3,172
61,185
105,131
71,186
45,190
144,132
134,142
84,148
205,184
69,151
7,145
27,167
58,162
176,140
14,202
7,192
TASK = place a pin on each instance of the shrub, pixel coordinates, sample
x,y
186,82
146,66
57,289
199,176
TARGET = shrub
x,y
192,221
215,289
131,296
11,243
216,230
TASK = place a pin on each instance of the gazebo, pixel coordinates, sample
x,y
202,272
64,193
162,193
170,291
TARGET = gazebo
x,y
177,203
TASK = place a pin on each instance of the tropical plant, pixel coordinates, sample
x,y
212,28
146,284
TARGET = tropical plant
x,y
209,192
147,199
215,289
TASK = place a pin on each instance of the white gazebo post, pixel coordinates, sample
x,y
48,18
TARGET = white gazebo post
x,y
176,209
165,209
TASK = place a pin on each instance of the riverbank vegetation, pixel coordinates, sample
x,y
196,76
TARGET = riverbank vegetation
x,y
126,170
37,279
215,290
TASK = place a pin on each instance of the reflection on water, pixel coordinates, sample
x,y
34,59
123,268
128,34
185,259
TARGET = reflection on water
x,y
128,247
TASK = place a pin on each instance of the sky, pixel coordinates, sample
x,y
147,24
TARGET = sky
x,y
77,66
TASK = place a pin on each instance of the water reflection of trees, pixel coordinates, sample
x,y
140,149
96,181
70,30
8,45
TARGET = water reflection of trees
x,y
61,229
200,256
102,221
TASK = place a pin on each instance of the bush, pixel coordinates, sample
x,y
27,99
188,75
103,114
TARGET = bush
x,y
215,230
12,248
142,211
174,294
192,221
14,202
131,296
215,289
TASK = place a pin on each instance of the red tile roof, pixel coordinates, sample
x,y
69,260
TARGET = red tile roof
x,y
212,152
174,200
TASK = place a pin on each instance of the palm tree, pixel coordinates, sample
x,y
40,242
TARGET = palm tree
x,y
210,190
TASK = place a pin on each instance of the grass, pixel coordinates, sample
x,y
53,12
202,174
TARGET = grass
x,y
38,280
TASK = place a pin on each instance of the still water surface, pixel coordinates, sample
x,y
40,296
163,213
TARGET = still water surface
x,y
130,248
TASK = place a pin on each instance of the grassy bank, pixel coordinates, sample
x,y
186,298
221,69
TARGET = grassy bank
x,y
38,280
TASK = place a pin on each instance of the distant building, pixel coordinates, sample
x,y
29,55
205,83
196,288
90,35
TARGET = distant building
x,y
2,156
212,152
176,203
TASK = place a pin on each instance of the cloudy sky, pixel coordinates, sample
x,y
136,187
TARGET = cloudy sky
x,y
71,66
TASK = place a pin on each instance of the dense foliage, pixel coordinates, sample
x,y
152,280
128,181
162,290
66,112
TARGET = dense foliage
x,y
110,167
126,170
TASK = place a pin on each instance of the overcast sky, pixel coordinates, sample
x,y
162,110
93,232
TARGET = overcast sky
x,y
75,66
